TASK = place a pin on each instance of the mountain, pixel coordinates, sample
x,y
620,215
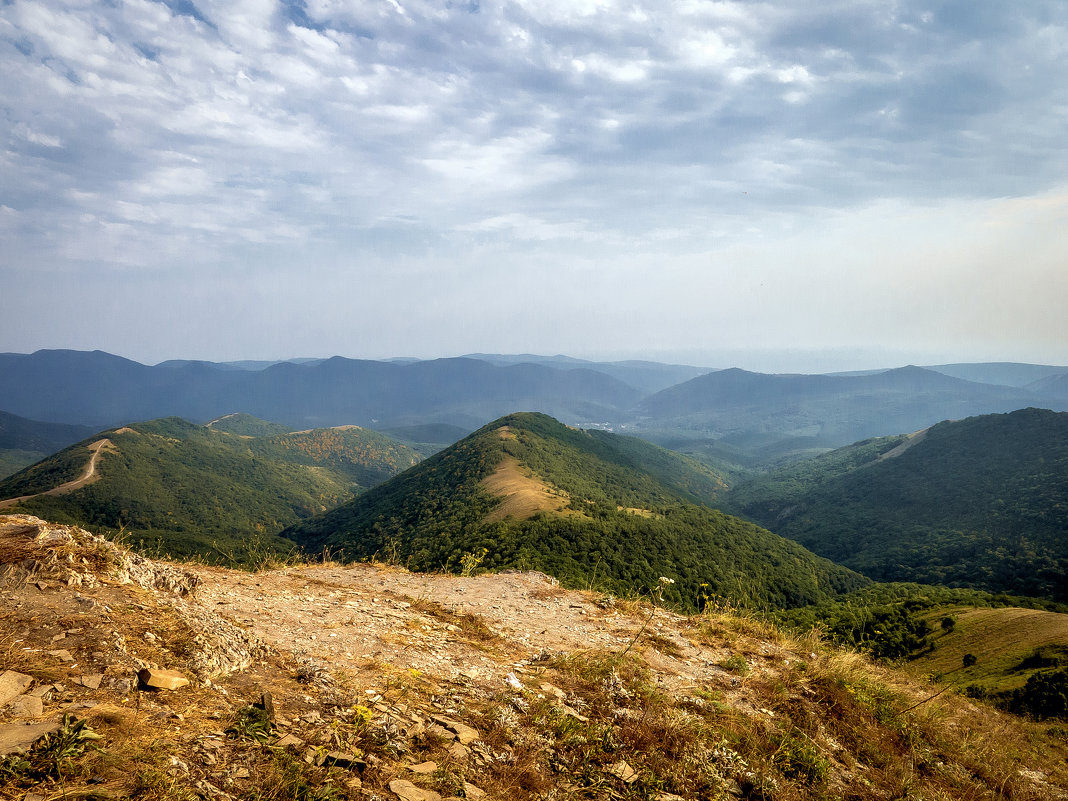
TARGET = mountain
x,y
981,502
592,508
189,489
642,375
1009,374
826,410
99,389
23,441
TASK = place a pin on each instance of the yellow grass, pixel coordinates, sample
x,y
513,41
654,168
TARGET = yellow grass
x,y
523,495
999,639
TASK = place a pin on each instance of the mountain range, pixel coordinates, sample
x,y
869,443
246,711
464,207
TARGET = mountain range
x,y
724,414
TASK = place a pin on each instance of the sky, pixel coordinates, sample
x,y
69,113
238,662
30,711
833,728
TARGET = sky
x,y
778,185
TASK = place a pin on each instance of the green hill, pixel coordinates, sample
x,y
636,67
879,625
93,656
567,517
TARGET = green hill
x,y
188,489
981,502
591,508
245,425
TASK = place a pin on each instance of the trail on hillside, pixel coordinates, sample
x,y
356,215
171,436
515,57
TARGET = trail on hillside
x,y
88,476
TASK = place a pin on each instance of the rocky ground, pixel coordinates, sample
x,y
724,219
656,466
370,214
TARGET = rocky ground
x,y
124,677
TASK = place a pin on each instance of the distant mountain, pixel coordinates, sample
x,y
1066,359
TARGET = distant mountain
x,y
1009,374
1054,386
589,507
981,502
196,490
23,441
642,375
830,410
99,389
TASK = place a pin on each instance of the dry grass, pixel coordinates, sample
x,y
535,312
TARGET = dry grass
x,y
523,496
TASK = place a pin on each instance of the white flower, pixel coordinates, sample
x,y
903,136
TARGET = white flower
x,y
666,580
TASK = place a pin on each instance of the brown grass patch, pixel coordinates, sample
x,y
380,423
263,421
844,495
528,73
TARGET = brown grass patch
x,y
523,495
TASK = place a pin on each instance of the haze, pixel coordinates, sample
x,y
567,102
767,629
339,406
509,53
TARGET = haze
x,y
857,184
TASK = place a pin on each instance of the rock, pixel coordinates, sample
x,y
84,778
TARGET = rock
x,y
470,791
18,737
92,681
459,752
465,734
624,772
13,684
553,690
424,768
573,713
62,655
406,791
27,706
289,740
162,679
342,759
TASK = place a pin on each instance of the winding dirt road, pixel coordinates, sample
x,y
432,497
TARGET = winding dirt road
x,y
88,476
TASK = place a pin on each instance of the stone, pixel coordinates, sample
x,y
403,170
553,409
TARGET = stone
x,y
290,740
470,791
13,684
158,679
624,772
18,737
27,706
62,655
464,733
424,768
341,759
459,752
91,681
406,791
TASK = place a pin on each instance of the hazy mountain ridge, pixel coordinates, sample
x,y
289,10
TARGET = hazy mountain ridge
x,y
725,414
611,520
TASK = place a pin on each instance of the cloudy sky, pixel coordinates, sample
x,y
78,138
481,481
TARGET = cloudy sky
x,y
779,185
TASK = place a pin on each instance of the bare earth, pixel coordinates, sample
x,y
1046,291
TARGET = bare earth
x,y
85,478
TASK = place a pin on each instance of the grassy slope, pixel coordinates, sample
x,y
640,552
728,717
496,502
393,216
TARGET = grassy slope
x,y
1005,643
981,502
434,515
189,490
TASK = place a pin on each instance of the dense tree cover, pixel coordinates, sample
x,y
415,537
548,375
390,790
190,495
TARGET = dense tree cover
x,y
433,515
245,425
981,502
187,489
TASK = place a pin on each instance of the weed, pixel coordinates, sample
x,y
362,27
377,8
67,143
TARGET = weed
x,y
736,664
251,723
51,756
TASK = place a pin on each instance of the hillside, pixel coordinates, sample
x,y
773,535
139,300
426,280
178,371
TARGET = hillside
x,y
328,682
589,507
982,503
187,489
23,441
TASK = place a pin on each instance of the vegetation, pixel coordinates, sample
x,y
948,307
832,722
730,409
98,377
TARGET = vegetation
x,y
188,490
627,517
980,503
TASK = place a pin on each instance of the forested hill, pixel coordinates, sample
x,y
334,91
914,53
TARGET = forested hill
x,y
981,502
192,490
591,508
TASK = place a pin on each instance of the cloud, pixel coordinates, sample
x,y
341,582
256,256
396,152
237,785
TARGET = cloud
x,y
452,139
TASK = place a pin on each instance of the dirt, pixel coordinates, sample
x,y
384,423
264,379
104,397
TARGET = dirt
x,y
87,477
